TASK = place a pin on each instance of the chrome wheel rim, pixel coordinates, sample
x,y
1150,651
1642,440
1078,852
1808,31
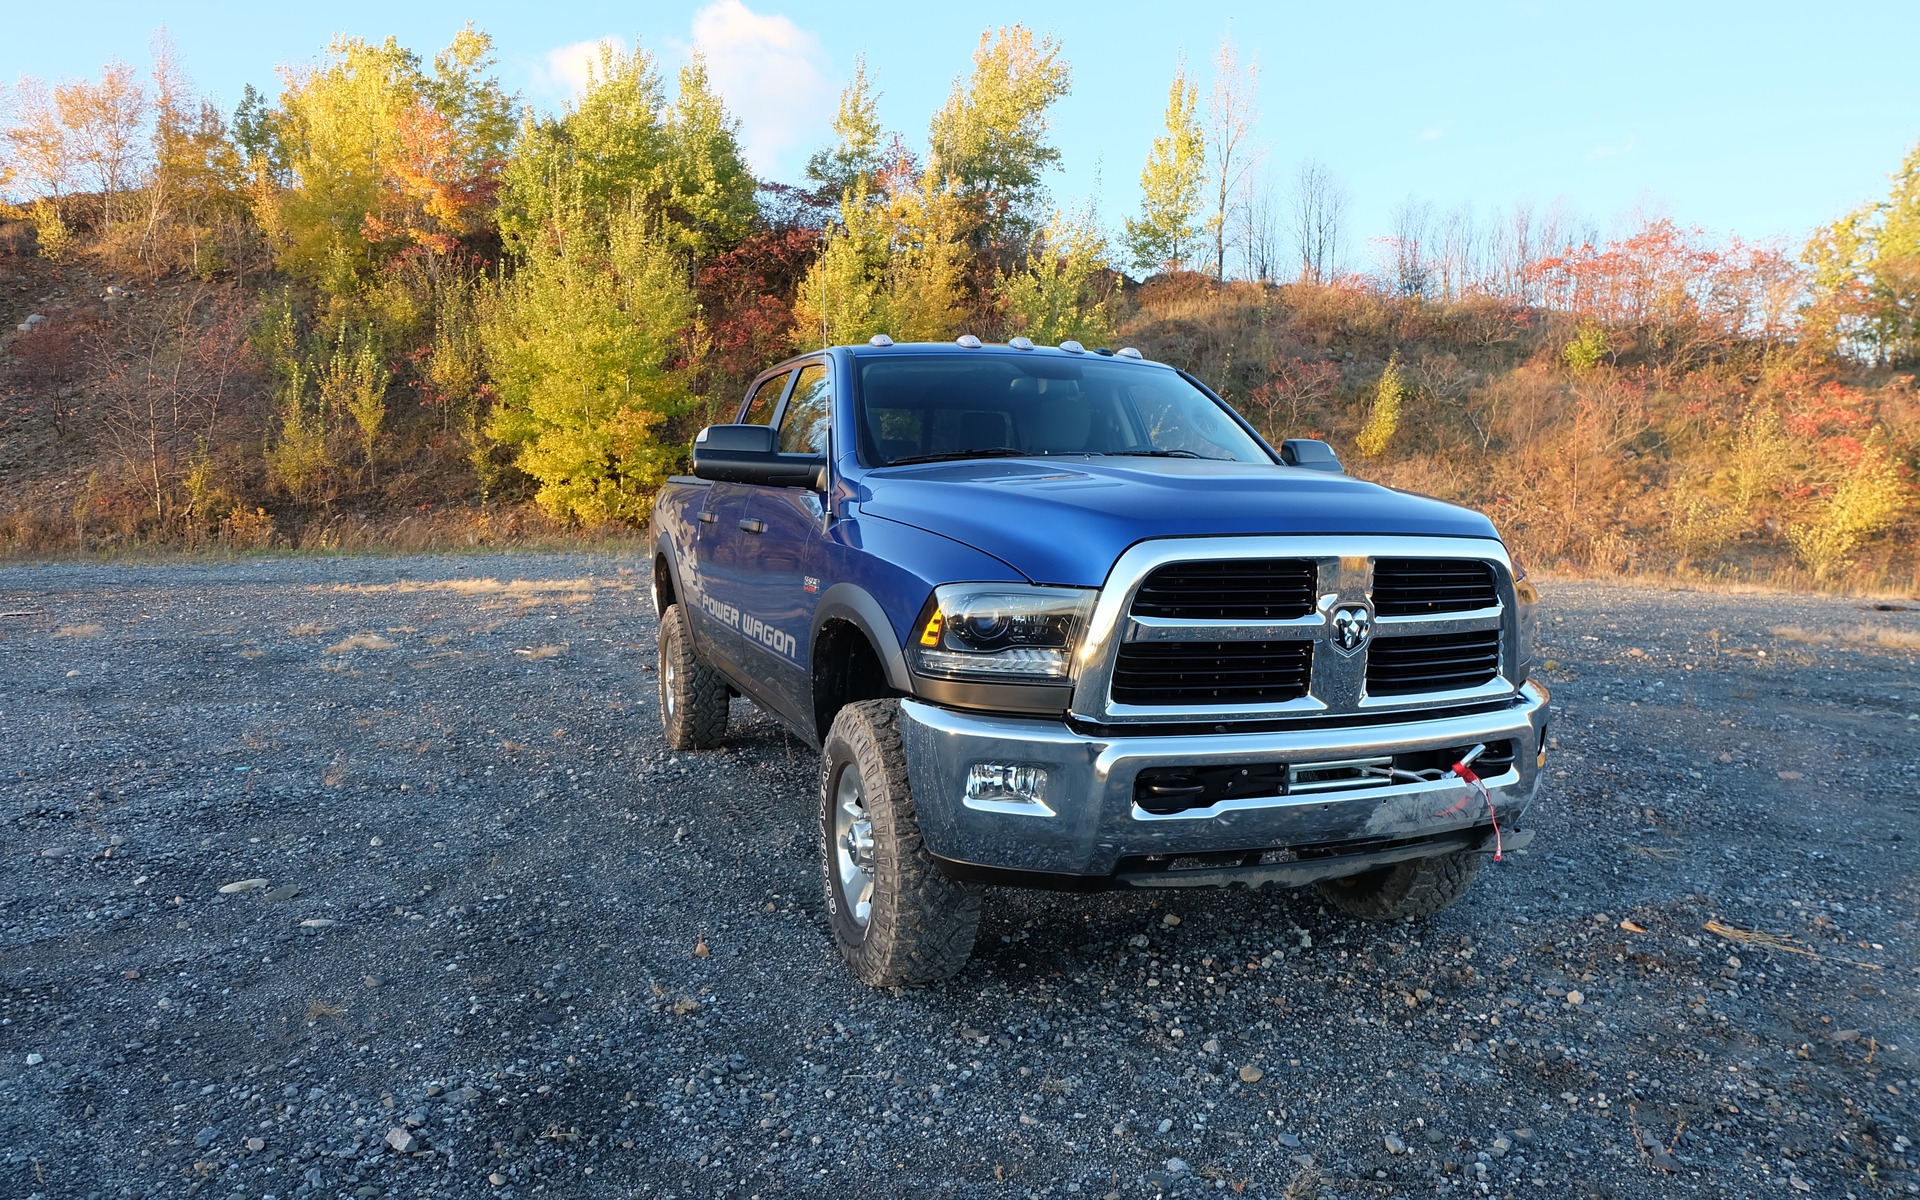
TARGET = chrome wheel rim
x,y
853,845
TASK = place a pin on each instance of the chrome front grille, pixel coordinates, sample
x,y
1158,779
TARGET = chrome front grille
x,y
1406,587
1432,662
1240,628
1212,672
1247,590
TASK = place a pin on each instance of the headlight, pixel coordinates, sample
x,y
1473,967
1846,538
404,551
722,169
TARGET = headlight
x,y
1004,631
1527,599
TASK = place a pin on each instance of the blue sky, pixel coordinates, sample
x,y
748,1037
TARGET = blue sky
x,y
1762,119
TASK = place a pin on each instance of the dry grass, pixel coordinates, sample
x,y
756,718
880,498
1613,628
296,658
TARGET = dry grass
x,y
1851,635
1761,939
361,641
536,653
77,631
309,629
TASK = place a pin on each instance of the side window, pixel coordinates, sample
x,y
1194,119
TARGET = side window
x,y
765,399
803,430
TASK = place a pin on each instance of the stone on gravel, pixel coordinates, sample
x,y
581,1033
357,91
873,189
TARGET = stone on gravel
x,y
1395,1145
205,1137
402,1140
1170,919
1251,1074
242,885
285,891
34,1060
318,923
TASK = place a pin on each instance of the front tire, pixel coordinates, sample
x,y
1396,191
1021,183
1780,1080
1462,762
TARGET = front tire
x,y
1418,888
898,921
693,696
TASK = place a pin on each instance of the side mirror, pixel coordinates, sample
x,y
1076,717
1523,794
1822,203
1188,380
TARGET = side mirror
x,y
746,454
1310,455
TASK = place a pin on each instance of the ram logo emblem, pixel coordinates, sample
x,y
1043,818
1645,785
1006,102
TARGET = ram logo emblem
x,y
1352,624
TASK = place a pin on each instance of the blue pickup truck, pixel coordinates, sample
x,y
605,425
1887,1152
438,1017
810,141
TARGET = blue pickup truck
x,y
1059,617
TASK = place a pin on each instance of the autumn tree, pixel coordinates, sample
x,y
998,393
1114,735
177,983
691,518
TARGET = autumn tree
x,y
1866,272
1163,235
706,190
597,158
1058,295
1231,113
193,188
855,153
991,139
39,154
105,122
380,155
580,342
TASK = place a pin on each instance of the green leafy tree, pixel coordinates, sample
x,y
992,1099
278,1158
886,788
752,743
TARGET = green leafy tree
x,y
1384,418
353,381
1056,297
927,266
839,300
579,342
604,153
706,192
991,138
1164,236
855,154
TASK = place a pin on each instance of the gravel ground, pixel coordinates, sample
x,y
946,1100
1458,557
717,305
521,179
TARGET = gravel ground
x,y
374,878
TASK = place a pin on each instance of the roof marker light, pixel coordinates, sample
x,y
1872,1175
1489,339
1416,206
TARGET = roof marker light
x,y
1020,343
1130,352
879,339
1073,347
968,341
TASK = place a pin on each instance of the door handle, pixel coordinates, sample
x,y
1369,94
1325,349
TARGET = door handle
x,y
707,518
753,524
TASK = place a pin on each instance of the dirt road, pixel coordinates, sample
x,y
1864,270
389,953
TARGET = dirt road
x,y
373,877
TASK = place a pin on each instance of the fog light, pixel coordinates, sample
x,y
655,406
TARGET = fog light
x,y
1016,784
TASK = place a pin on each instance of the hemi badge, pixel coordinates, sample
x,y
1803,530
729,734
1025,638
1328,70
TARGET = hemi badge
x,y
809,584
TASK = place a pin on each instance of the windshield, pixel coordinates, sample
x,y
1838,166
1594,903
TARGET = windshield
x,y
926,408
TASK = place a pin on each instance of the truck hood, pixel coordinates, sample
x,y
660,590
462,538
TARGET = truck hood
x,y
1065,522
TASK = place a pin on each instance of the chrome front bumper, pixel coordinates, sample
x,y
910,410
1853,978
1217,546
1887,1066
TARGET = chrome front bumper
x,y
1088,823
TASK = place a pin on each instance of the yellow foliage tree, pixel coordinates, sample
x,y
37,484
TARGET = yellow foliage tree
x,y
1868,500
579,341
1384,418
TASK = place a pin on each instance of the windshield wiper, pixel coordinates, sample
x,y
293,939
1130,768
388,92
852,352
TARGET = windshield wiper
x,y
1158,454
954,455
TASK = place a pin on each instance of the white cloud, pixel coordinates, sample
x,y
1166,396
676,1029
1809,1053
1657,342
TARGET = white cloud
x,y
771,74
1609,150
566,68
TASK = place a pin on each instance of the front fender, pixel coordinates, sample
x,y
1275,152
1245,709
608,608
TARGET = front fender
x,y
851,603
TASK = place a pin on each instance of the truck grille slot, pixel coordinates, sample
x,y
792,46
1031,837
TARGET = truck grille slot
x,y
1212,672
1436,662
1273,589
1411,587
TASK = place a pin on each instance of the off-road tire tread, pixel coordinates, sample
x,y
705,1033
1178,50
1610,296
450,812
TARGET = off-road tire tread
x,y
1418,888
922,924
699,719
